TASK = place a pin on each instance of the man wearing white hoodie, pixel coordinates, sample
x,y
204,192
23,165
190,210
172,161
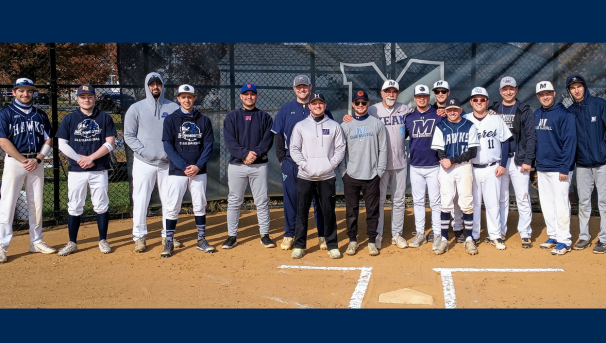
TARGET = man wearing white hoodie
x,y
143,125
317,146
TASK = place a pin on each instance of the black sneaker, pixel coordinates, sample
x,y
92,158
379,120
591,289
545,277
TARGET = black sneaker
x,y
526,243
599,248
267,242
204,246
169,248
460,237
582,244
430,236
230,242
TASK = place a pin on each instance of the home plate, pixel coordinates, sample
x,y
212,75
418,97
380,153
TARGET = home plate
x,y
406,296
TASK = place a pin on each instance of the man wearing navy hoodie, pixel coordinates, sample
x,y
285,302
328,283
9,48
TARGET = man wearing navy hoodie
x,y
556,146
188,141
590,118
248,137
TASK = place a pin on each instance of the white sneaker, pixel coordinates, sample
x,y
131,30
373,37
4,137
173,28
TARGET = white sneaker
x,y
378,241
399,241
322,243
498,243
69,248
42,247
351,248
334,253
372,249
104,246
3,257
436,242
418,240
442,247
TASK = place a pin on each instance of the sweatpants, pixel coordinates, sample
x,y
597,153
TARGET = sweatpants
x,y
238,178
587,179
289,185
370,192
325,193
555,205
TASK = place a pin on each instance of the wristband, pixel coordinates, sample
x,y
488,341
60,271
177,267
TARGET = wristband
x,y
108,146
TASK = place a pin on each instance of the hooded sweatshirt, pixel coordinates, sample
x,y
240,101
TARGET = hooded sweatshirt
x,y
366,155
590,119
143,125
521,124
556,139
317,148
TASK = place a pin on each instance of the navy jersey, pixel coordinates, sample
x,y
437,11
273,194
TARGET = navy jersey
x,y
288,116
455,139
86,134
420,127
27,132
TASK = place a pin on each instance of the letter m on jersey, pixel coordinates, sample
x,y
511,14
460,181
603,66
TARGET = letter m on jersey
x,y
423,128
361,130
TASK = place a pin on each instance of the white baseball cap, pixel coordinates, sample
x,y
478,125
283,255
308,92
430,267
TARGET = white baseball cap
x,y
421,90
544,86
441,84
186,89
25,83
479,91
390,84
508,81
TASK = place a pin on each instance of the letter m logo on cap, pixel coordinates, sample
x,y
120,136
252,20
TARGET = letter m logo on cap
x,y
543,85
439,83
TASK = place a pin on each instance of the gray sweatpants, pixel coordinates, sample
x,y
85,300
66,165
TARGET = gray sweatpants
x,y
238,177
587,178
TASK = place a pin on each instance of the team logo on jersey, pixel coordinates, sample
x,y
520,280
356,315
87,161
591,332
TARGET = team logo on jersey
x,y
326,132
284,176
248,117
361,133
423,128
190,132
87,128
165,114
487,134
593,119
543,125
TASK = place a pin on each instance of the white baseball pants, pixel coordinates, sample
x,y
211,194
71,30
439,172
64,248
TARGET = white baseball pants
x,y
13,178
177,186
487,187
587,179
238,178
520,182
421,177
76,191
457,180
144,178
398,192
555,205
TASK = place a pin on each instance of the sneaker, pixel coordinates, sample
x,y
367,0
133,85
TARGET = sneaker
x,y
526,243
176,243
140,245
442,247
69,248
560,249
287,243
470,246
399,241
104,246
205,246
230,242
169,248
460,237
582,244
550,243
418,240
378,241
322,243
436,242
3,257
42,247
372,249
297,253
599,248
334,253
267,242
430,236
352,247
498,243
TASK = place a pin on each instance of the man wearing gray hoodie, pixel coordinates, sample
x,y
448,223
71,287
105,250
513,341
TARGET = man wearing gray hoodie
x,y
143,125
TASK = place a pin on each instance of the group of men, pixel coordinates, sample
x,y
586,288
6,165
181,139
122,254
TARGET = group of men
x,y
458,160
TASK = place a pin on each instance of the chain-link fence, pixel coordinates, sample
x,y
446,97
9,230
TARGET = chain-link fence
x,y
218,70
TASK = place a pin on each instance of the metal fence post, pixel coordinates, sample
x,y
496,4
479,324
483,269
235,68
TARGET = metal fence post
x,y
473,64
232,77
393,62
312,62
55,126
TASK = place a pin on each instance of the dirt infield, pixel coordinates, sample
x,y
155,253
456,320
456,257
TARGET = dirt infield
x,y
248,275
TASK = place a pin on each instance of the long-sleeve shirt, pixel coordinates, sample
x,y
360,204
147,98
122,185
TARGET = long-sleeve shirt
x,y
366,155
248,130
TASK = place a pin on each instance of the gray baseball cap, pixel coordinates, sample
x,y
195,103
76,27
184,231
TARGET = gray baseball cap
x,y
301,80
508,81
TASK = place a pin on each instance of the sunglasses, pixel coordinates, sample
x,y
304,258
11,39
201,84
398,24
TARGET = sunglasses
x,y
442,91
358,103
479,100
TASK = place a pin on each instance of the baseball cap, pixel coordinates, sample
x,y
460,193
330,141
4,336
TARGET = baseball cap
x,y
390,84
317,96
154,78
575,79
544,86
441,84
186,89
24,82
85,89
301,80
453,103
508,81
360,95
421,90
248,87
479,91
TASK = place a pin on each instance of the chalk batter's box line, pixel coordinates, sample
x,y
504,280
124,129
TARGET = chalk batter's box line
x,y
361,286
450,299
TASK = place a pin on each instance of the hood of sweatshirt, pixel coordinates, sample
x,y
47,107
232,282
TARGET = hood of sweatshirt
x,y
149,98
586,97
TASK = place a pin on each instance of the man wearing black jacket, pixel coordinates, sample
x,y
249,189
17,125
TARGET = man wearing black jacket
x,y
522,145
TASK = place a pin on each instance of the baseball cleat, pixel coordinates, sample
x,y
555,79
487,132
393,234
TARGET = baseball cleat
x,y
560,249
287,243
104,246
3,257
436,242
599,248
352,247
581,244
205,246
297,253
442,247
378,241
526,243
418,240
267,242
140,245
42,247
176,243
399,241
230,242
372,249
548,244
470,247
322,243
169,248
334,253
498,243
69,248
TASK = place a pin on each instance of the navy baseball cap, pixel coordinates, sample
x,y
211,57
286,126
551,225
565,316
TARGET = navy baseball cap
x,y
360,95
154,78
317,96
248,87
24,82
453,103
85,89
